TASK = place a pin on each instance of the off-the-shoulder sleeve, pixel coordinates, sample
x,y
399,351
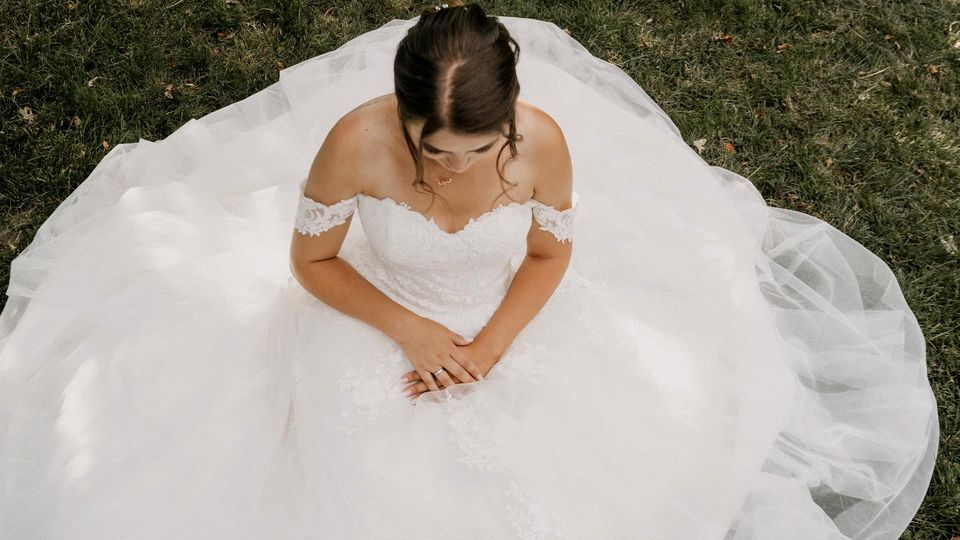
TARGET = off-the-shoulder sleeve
x,y
313,217
558,222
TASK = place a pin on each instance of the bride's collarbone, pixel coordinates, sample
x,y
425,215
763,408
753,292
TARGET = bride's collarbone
x,y
461,207
463,201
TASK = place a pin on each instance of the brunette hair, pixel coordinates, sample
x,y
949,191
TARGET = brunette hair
x,y
455,69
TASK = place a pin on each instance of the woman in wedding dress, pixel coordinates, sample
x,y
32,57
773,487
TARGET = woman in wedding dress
x,y
211,339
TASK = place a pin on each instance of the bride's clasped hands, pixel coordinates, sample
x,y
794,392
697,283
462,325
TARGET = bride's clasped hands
x,y
429,345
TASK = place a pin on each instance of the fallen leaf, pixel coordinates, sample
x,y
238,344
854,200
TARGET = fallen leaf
x,y
105,145
729,147
724,37
168,91
26,114
699,143
950,244
797,203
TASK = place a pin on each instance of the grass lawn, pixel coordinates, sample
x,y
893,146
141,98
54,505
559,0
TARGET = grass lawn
x,y
844,110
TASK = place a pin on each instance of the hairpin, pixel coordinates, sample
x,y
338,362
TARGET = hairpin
x,y
438,7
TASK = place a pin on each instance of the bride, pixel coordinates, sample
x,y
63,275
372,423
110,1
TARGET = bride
x,y
465,155
207,340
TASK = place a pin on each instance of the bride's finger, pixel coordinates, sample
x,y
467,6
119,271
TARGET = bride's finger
x,y
444,377
456,370
427,378
465,370
415,389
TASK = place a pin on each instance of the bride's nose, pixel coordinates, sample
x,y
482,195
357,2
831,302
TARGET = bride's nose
x,y
458,164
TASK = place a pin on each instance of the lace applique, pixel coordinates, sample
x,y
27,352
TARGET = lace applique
x,y
372,393
313,217
558,222
576,279
531,518
525,362
475,437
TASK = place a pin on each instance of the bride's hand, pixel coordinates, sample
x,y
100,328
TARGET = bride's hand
x,y
475,351
429,346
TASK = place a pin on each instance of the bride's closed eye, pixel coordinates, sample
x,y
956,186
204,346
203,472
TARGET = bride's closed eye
x,y
431,150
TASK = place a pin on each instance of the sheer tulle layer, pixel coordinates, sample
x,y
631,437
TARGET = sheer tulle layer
x,y
710,366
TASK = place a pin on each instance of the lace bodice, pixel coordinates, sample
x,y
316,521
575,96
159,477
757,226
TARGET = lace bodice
x,y
457,278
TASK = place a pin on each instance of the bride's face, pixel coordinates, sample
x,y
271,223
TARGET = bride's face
x,y
456,152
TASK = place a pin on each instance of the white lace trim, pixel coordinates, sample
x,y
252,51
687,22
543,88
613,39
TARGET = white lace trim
x,y
558,222
314,217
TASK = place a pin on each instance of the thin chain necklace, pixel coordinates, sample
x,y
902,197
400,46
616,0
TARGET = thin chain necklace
x,y
444,180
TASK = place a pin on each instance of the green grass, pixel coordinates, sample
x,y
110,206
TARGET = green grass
x,y
845,110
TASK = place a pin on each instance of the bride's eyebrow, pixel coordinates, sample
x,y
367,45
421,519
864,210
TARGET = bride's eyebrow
x,y
474,150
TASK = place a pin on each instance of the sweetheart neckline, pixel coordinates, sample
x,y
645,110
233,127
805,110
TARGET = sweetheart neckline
x,y
470,223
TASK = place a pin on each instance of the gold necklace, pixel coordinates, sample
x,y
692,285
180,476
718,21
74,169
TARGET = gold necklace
x,y
444,180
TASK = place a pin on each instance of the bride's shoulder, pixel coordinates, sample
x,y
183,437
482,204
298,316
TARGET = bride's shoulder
x,y
542,134
341,164
547,151
366,126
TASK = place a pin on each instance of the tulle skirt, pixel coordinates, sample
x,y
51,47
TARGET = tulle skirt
x,y
710,366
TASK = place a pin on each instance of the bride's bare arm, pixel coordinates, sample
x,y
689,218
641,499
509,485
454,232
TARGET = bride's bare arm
x,y
547,258
532,286
314,260
335,282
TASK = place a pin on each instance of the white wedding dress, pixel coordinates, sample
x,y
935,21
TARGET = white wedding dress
x,y
709,367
